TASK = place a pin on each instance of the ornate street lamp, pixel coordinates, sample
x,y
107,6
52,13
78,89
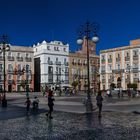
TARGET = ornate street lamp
x,y
85,31
3,48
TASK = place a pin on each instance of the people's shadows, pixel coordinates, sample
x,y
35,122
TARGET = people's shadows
x,y
92,120
100,121
50,127
89,120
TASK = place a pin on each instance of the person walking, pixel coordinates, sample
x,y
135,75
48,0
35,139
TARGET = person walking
x,y
28,103
50,103
99,100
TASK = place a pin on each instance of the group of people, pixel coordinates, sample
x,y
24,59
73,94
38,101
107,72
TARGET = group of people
x,y
35,103
50,95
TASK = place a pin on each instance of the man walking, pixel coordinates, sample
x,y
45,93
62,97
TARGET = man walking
x,y
99,99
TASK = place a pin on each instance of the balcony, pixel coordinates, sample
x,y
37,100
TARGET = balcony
x,y
79,63
109,60
28,59
19,58
1,81
1,58
135,57
58,63
19,81
135,70
10,71
127,80
50,62
10,58
127,58
102,71
85,63
118,71
1,71
74,62
118,59
66,73
50,80
66,63
10,81
136,80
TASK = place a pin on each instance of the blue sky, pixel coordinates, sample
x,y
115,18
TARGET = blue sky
x,y
30,21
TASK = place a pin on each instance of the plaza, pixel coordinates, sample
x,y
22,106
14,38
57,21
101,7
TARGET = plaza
x,y
120,119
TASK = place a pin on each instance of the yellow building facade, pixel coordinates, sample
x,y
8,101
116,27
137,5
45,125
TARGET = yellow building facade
x,y
120,66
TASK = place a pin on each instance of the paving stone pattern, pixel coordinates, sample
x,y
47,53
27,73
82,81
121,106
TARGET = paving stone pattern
x,y
72,126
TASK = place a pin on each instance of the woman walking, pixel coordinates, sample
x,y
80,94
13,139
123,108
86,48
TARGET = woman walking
x,y
50,103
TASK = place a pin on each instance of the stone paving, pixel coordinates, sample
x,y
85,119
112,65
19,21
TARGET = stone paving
x,y
114,124
71,126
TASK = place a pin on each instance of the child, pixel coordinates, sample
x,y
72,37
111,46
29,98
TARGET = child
x,y
28,103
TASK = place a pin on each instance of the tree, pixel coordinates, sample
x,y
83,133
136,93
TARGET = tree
x,y
132,85
75,84
112,86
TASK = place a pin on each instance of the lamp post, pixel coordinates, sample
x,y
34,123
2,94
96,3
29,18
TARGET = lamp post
x,y
3,48
85,31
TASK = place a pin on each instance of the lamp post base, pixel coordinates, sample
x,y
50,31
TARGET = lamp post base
x,y
89,106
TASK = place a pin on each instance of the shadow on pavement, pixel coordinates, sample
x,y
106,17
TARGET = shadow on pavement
x,y
12,112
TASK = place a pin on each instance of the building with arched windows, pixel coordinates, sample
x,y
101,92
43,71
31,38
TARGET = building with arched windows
x,y
120,66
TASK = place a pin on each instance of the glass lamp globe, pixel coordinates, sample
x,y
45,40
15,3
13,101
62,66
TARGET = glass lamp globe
x,y
95,39
79,41
7,47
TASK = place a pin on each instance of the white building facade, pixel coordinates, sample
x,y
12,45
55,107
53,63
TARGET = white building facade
x,y
120,66
54,63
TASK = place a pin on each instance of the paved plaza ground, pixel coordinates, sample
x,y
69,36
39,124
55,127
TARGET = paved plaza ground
x,y
120,120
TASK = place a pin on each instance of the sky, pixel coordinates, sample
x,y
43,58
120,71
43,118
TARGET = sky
x,y
28,22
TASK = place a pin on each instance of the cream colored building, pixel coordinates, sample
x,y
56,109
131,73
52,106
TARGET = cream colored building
x,y
19,69
120,66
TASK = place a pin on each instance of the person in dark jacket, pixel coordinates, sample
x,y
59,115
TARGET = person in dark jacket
x,y
99,100
28,103
50,103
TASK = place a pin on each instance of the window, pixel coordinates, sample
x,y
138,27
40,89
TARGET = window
x,y
127,54
19,67
1,78
27,55
56,58
135,52
27,68
118,55
48,47
64,49
109,67
103,57
10,77
10,67
118,66
9,54
135,65
48,58
1,68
